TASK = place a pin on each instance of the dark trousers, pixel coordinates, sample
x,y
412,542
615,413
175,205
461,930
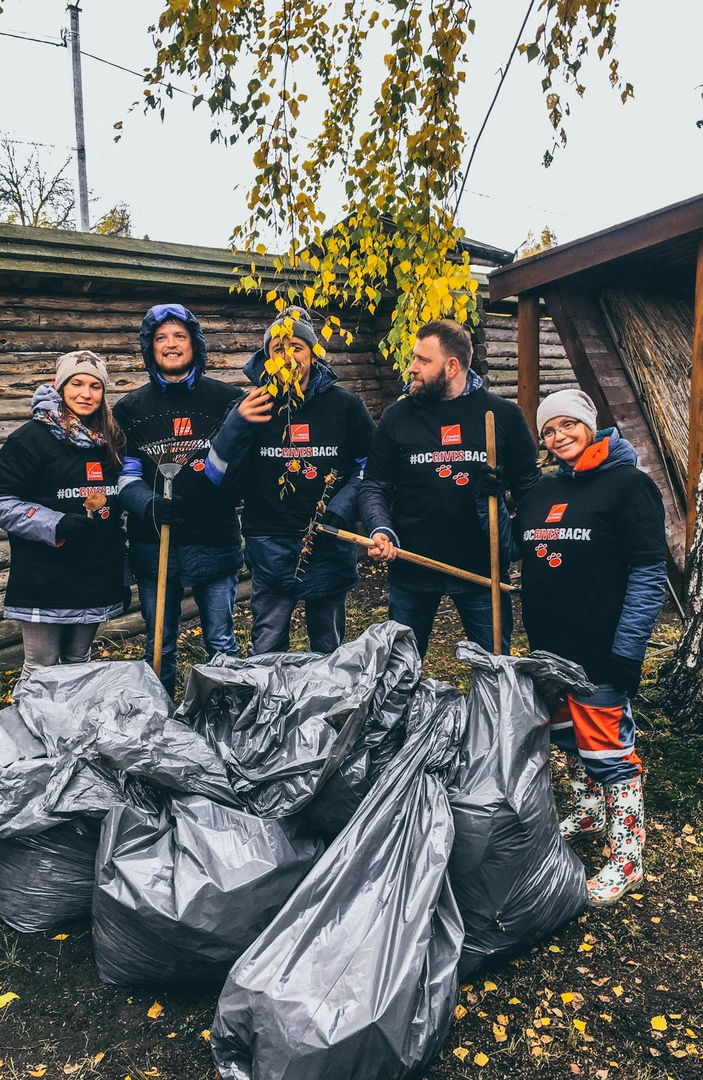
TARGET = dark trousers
x,y
271,612
417,609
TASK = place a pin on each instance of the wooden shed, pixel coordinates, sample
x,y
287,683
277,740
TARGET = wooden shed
x,y
650,268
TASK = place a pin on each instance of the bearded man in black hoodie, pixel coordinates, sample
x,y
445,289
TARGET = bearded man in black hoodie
x,y
205,551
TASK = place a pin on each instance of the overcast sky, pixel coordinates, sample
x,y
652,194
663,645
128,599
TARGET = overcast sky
x,y
621,161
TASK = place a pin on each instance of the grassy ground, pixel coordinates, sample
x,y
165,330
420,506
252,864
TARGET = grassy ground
x,y
615,994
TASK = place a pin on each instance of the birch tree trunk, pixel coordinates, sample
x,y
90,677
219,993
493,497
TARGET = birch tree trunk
x,y
682,678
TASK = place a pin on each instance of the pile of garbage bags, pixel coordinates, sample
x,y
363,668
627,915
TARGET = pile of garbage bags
x,y
327,838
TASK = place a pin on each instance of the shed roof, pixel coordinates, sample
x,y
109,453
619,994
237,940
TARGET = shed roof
x,y
664,242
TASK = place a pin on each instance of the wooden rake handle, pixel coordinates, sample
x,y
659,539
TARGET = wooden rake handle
x,y
494,538
419,560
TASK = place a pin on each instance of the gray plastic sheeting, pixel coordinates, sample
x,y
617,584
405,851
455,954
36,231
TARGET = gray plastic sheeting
x,y
356,977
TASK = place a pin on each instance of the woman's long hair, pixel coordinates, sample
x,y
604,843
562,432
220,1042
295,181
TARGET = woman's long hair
x,y
103,421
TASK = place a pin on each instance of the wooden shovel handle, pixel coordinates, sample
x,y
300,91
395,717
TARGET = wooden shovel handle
x,y
161,598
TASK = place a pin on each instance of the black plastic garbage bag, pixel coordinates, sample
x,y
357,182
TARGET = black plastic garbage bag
x,y
179,896
355,978
513,876
285,723
46,881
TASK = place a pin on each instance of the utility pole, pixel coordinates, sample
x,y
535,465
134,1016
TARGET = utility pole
x,y
74,35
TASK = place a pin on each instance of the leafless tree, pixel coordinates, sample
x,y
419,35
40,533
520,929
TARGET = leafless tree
x,y
31,194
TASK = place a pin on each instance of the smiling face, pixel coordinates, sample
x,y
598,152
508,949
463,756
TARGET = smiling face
x,y
83,395
297,353
173,350
567,438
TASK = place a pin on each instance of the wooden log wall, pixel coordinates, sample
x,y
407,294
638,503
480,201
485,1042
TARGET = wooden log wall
x,y
556,372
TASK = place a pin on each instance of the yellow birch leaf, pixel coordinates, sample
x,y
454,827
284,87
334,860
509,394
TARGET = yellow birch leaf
x,y
585,947
59,937
503,1019
480,1059
545,1021
554,948
98,1058
489,986
155,1011
607,1017
515,1001
171,1035
326,332
566,998
636,895
460,1052
5,999
499,1033
459,1011
205,1034
39,1071
271,295
618,991
580,1025
691,1034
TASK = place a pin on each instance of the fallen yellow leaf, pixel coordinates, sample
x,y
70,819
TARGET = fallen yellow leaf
x,y
499,1033
566,998
636,895
503,1019
585,947
515,1001
205,1034
659,1023
98,1058
69,1070
489,986
461,1052
59,937
155,1011
171,1035
459,1011
545,1021
480,1059
39,1071
692,899
580,1025
655,919
5,999
691,1034
554,948
607,1017
618,990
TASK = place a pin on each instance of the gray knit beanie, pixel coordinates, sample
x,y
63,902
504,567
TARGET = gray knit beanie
x,y
573,403
83,362
302,326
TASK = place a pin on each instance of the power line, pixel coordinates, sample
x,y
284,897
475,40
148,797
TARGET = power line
x,y
101,60
490,107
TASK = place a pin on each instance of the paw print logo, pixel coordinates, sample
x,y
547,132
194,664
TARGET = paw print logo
x,y
104,512
461,478
198,465
310,472
444,470
554,559
293,466
541,550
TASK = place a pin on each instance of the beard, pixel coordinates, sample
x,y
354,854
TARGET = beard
x,y
434,389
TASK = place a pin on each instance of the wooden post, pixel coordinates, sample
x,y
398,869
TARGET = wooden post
x,y
695,424
528,357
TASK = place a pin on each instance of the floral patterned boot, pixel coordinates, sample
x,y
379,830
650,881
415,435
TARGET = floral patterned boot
x,y
623,871
587,817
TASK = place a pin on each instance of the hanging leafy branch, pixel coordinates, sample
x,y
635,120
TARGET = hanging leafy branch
x,y
395,234
561,43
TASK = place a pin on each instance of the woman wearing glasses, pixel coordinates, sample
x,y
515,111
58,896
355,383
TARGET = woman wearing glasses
x,y
593,575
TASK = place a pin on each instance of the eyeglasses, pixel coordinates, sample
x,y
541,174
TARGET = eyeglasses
x,y
565,428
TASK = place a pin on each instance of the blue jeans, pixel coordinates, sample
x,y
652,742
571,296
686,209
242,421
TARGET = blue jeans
x,y
325,617
417,609
215,600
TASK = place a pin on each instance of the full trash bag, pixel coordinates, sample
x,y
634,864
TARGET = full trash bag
x,y
179,896
289,724
356,977
46,881
513,876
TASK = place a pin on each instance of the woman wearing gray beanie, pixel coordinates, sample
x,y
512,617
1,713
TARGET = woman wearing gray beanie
x,y
593,573
58,503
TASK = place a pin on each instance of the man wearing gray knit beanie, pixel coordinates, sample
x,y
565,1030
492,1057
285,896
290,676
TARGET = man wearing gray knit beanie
x,y
279,452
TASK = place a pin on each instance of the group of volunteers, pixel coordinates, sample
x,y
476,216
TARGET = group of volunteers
x,y
590,531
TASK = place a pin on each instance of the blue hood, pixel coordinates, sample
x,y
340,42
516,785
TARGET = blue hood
x,y
153,318
620,452
321,374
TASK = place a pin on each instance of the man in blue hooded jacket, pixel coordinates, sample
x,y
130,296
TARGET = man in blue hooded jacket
x,y
205,550
280,461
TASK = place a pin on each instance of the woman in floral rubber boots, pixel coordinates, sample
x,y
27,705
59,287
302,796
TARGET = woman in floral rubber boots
x,y
593,574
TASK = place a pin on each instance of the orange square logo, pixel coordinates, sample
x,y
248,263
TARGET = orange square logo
x,y
300,433
182,425
451,435
557,512
93,470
